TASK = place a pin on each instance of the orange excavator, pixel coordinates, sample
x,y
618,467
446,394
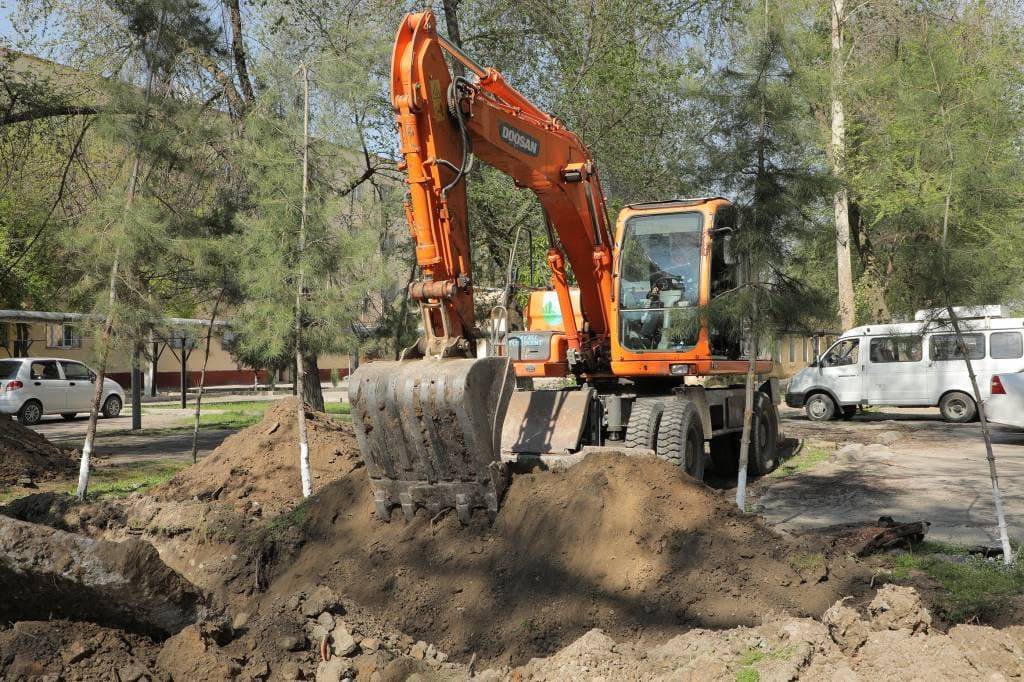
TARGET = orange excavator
x,y
439,428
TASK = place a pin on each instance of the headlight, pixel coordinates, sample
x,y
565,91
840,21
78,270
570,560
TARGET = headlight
x,y
678,370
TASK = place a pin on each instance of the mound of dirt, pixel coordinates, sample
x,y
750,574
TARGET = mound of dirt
x,y
260,464
60,649
788,649
27,454
626,544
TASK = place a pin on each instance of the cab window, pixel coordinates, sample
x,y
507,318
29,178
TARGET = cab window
x,y
843,353
660,281
946,347
895,349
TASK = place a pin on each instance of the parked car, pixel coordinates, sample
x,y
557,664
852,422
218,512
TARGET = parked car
x,y
1006,403
911,364
32,387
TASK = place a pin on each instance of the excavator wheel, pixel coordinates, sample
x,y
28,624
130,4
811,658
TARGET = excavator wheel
x,y
764,442
428,431
642,428
681,437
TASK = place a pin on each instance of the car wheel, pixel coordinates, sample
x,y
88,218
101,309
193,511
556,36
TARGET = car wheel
x,y
68,415
957,407
30,413
681,438
820,408
112,407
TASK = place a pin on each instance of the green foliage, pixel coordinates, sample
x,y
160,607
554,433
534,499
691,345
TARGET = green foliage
x,y
805,460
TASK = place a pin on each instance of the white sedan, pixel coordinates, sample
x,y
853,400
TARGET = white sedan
x,y
1006,406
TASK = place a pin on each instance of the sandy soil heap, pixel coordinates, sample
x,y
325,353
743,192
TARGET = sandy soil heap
x,y
627,544
260,464
27,454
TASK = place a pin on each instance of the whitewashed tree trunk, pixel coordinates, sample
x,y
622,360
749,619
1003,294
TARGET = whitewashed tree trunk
x,y
307,484
748,413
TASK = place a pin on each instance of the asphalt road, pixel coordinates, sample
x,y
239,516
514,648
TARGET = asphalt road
x,y
904,463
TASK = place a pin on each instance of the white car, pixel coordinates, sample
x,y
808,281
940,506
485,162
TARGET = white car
x,y
1006,404
32,387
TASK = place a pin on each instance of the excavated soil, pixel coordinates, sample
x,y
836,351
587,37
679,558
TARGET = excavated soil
x,y
60,649
260,464
27,454
626,544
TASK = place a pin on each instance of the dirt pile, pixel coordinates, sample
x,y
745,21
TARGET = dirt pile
x,y
626,544
60,649
891,641
25,454
258,467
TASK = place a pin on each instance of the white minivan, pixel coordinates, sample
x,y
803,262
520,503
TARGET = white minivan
x,y
910,364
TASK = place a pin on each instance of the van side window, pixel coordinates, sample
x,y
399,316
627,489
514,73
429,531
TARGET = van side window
x,y
896,349
1005,345
843,353
946,347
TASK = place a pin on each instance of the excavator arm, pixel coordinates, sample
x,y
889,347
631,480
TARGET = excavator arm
x,y
429,425
442,121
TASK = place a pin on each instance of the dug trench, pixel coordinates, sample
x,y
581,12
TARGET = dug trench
x,y
624,544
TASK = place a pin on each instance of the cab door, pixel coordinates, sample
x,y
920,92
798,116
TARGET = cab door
x,y
840,371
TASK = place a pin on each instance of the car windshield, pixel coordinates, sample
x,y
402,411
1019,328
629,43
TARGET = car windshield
x,y
9,368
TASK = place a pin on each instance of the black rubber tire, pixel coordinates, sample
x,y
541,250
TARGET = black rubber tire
x,y
681,438
848,413
31,413
764,441
820,408
68,416
642,428
725,453
112,407
958,407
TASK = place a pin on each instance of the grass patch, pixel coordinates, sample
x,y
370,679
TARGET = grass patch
x,y
972,584
748,673
807,561
115,482
241,414
805,460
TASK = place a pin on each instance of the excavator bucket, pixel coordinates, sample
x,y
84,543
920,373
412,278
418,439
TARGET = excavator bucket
x,y
429,431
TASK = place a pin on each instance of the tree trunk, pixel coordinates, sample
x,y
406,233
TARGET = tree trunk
x,y
837,158
997,496
202,378
748,414
312,392
101,372
238,51
451,19
300,374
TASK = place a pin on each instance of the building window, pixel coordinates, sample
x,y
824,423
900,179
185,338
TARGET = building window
x,y
792,350
63,336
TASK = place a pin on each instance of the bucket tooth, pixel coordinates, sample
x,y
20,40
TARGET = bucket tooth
x,y
429,431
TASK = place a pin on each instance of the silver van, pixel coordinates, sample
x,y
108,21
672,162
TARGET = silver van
x,y
911,364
